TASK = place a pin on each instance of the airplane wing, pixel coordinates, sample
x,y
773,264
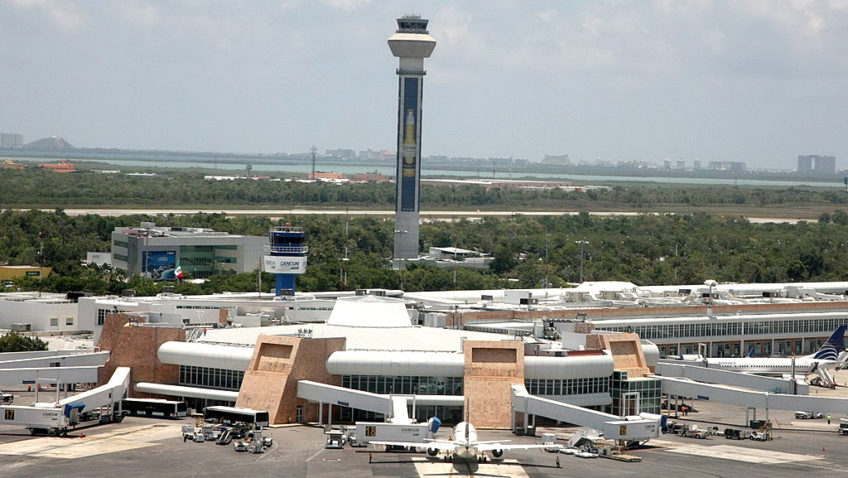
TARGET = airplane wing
x,y
441,445
497,446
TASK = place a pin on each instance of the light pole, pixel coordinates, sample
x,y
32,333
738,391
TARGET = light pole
x,y
582,244
547,238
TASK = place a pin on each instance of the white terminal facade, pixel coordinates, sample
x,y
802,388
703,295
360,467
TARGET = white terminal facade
x,y
391,342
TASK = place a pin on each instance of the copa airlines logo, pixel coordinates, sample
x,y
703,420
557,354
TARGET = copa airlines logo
x,y
831,348
827,352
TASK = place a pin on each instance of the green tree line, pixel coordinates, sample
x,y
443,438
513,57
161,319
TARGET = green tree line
x,y
529,251
33,187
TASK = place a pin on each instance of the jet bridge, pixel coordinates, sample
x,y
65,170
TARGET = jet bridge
x,y
56,375
633,428
751,398
62,358
734,379
395,407
56,417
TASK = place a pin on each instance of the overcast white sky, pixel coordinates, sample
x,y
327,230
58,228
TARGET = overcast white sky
x,y
749,80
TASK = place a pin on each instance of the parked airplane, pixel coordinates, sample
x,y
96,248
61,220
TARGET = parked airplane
x,y
825,358
463,445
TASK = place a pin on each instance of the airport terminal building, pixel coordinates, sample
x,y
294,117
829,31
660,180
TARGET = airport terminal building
x,y
596,345
370,344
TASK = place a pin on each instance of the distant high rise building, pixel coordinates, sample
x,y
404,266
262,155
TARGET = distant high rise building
x,y
11,140
826,165
411,43
696,164
805,165
816,165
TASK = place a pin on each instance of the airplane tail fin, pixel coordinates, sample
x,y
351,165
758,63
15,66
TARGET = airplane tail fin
x,y
831,348
750,353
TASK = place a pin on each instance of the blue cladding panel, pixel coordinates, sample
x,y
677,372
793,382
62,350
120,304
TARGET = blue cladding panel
x,y
408,152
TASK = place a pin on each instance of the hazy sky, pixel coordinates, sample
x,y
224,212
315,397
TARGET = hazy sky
x,y
748,80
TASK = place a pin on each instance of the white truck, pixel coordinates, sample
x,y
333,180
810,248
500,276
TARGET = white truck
x,y
6,397
378,431
843,426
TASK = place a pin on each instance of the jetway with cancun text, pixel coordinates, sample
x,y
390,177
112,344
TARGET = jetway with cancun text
x,y
633,428
56,417
683,387
394,407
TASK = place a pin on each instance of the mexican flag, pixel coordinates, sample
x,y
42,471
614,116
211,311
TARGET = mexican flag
x,y
178,272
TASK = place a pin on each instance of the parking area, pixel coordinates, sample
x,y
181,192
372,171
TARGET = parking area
x,y
155,447
146,446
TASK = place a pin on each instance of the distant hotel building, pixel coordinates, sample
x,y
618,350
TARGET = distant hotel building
x,y
155,251
815,165
11,140
556,159
726,166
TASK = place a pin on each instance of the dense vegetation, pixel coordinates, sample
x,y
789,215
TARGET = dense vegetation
x,y
15,342
645,249
182,188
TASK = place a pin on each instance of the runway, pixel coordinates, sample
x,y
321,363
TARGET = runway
x,y
432,215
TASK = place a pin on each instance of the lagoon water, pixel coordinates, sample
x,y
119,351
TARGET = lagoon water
x,y
227,168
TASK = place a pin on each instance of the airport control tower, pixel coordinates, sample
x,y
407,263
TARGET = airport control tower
x,y
285,257
411,44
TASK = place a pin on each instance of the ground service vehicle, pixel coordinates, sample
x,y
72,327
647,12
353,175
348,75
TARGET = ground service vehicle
x,y
804,415
843,426
693,431
367,432
152,407
255,418
334,439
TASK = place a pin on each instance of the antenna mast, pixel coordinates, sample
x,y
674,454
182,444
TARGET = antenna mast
x,y
313,149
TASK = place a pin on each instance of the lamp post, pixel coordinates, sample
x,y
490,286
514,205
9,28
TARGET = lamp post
x,y
547,238
582,244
